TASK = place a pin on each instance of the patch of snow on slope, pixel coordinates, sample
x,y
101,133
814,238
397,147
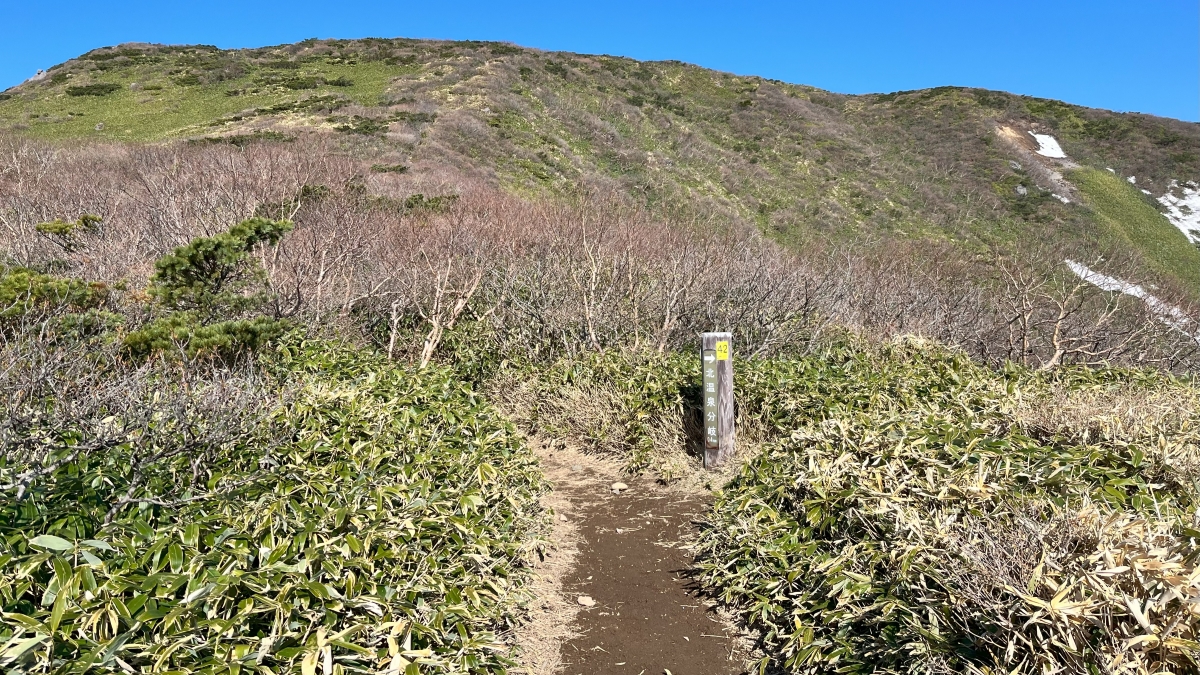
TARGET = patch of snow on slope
x,y
1048,146
1060,198
1132,180
1105,282
1168,314
1183,210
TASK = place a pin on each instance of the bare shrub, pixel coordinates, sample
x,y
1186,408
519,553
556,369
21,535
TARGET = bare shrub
x,y
1023,306
412,256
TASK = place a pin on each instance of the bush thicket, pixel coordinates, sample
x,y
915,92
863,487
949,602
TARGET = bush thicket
x,y
911,516
97,89
316,506
24,291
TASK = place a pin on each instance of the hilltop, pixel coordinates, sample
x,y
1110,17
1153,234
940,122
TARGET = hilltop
x,y
951,164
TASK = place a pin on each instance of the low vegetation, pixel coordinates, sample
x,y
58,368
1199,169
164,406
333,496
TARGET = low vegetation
x,y
97,89
903,508
916,512
314,507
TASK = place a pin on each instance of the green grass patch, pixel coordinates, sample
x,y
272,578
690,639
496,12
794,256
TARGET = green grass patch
x,y
1129,219
184,105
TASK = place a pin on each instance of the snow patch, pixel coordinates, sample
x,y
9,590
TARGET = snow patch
x,y
1168,314
1109,169
1048,146
1105,282
1132,180
1146,192
1182,203
1060,198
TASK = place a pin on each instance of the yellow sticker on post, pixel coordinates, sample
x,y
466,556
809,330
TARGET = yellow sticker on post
x,y
723,350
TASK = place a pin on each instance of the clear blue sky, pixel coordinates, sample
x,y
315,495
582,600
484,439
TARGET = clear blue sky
x,y
1130,56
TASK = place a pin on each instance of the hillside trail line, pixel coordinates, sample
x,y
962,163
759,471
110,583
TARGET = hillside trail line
x,y
626,552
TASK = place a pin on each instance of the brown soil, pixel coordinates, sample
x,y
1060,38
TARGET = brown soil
x,y
626,552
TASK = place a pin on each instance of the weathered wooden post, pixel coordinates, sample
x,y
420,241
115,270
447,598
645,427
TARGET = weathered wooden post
x,y
716,362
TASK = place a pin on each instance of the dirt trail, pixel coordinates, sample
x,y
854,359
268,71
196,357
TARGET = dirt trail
x,y
624,551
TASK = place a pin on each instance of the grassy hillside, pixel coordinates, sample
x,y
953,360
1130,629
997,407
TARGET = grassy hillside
x,y
142,95
802,164
1133,220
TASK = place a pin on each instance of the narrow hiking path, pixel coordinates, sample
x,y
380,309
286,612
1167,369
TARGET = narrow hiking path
x,y
647,617
626,553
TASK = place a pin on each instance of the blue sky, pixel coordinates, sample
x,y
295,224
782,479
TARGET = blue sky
x,y
1131,56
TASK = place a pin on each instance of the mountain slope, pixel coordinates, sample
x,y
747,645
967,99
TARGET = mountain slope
x,y
950,164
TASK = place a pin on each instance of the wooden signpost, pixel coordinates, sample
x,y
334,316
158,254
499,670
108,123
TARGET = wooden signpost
x,y
716,362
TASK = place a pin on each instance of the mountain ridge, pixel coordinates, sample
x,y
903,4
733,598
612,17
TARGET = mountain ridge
x,y
802,164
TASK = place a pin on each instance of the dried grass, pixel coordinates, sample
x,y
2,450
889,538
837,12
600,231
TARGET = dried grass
x,y
1158,418
908,521
1089,586
1118,412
